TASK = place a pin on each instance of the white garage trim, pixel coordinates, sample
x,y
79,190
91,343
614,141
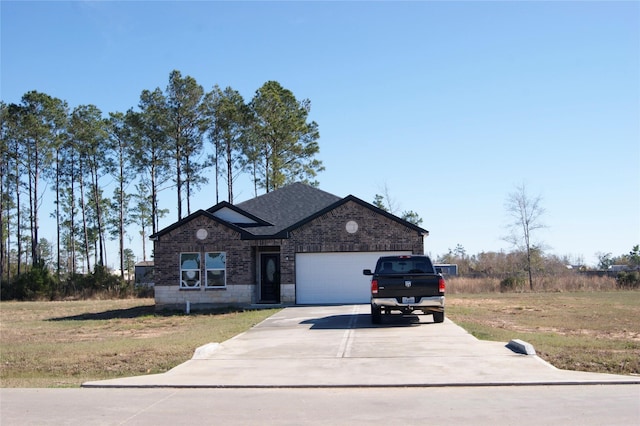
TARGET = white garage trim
x,y
332,278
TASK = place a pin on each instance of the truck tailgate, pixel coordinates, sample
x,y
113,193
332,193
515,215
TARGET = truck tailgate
x,y
408,285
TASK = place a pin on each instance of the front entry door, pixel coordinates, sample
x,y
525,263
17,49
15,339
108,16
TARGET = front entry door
x,y
270,278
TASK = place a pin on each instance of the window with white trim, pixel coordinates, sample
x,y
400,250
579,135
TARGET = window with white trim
x,y
216,269
189,270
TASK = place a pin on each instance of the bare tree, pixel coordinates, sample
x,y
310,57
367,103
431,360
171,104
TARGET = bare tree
x,y
525,213
388,204
385,201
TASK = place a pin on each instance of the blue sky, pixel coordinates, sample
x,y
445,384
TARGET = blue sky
x,y
449,105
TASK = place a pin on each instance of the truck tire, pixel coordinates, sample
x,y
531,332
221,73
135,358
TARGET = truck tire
x,y
438,317
376,314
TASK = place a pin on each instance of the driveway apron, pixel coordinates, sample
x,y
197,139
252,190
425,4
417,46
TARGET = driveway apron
x,y
337,346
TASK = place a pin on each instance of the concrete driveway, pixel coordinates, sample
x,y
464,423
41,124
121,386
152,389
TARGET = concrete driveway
x,y
336,346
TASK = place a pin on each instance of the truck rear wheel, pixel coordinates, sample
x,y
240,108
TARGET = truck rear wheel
x,y
438,317
376,314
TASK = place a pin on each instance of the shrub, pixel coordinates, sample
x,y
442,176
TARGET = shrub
x,y
512,283
628,280
143,291
37,283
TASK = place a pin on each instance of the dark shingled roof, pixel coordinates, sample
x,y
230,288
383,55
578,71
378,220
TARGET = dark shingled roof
x,y
286,207
274,214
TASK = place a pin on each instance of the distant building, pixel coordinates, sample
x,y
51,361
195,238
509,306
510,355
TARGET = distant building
x,y
144,273
576,267
117,273
623,268
619,268
447,268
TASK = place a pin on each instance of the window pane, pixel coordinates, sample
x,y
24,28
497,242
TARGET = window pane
x,y
215,278
216,260
190,260
190,279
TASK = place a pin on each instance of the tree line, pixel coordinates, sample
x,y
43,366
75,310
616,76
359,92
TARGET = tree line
x,y
528,259
179,138
515,268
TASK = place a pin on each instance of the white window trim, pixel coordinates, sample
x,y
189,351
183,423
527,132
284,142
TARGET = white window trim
x,y
198,271
206,275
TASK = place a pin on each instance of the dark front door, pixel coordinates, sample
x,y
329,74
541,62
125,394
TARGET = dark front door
x,y
270,278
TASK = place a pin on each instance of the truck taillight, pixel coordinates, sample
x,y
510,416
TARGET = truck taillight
x,y
441,285
374,286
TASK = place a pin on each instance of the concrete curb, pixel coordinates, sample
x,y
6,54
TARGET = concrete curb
x,y
521,347
205,351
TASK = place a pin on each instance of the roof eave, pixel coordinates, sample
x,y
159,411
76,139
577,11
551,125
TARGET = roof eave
x,y
357,200
176,225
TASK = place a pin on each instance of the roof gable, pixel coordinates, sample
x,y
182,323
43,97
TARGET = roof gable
x,y
364,204
191,217
232,214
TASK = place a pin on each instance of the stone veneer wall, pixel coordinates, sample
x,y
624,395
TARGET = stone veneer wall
x,y
175,298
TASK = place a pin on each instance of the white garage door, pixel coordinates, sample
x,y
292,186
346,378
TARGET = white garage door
x,y
323,278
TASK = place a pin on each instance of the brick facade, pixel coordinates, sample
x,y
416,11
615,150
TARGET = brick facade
x,y
325,233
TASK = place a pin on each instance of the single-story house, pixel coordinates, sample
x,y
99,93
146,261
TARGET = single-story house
x,y
295,245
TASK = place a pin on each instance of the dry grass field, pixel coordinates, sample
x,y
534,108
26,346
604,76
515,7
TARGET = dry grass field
x,y
62,344
570,282
586,331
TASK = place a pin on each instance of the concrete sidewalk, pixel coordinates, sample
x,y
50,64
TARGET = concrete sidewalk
x,y
336,346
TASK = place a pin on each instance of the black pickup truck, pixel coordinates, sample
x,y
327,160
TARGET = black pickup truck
x,y
407,284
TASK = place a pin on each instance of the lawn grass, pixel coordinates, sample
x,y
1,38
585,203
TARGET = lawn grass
x,y
63,344
585,331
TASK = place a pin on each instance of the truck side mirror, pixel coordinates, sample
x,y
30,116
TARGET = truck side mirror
x,y
367,272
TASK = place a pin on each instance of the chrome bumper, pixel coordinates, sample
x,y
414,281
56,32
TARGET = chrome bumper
x,y
425,302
